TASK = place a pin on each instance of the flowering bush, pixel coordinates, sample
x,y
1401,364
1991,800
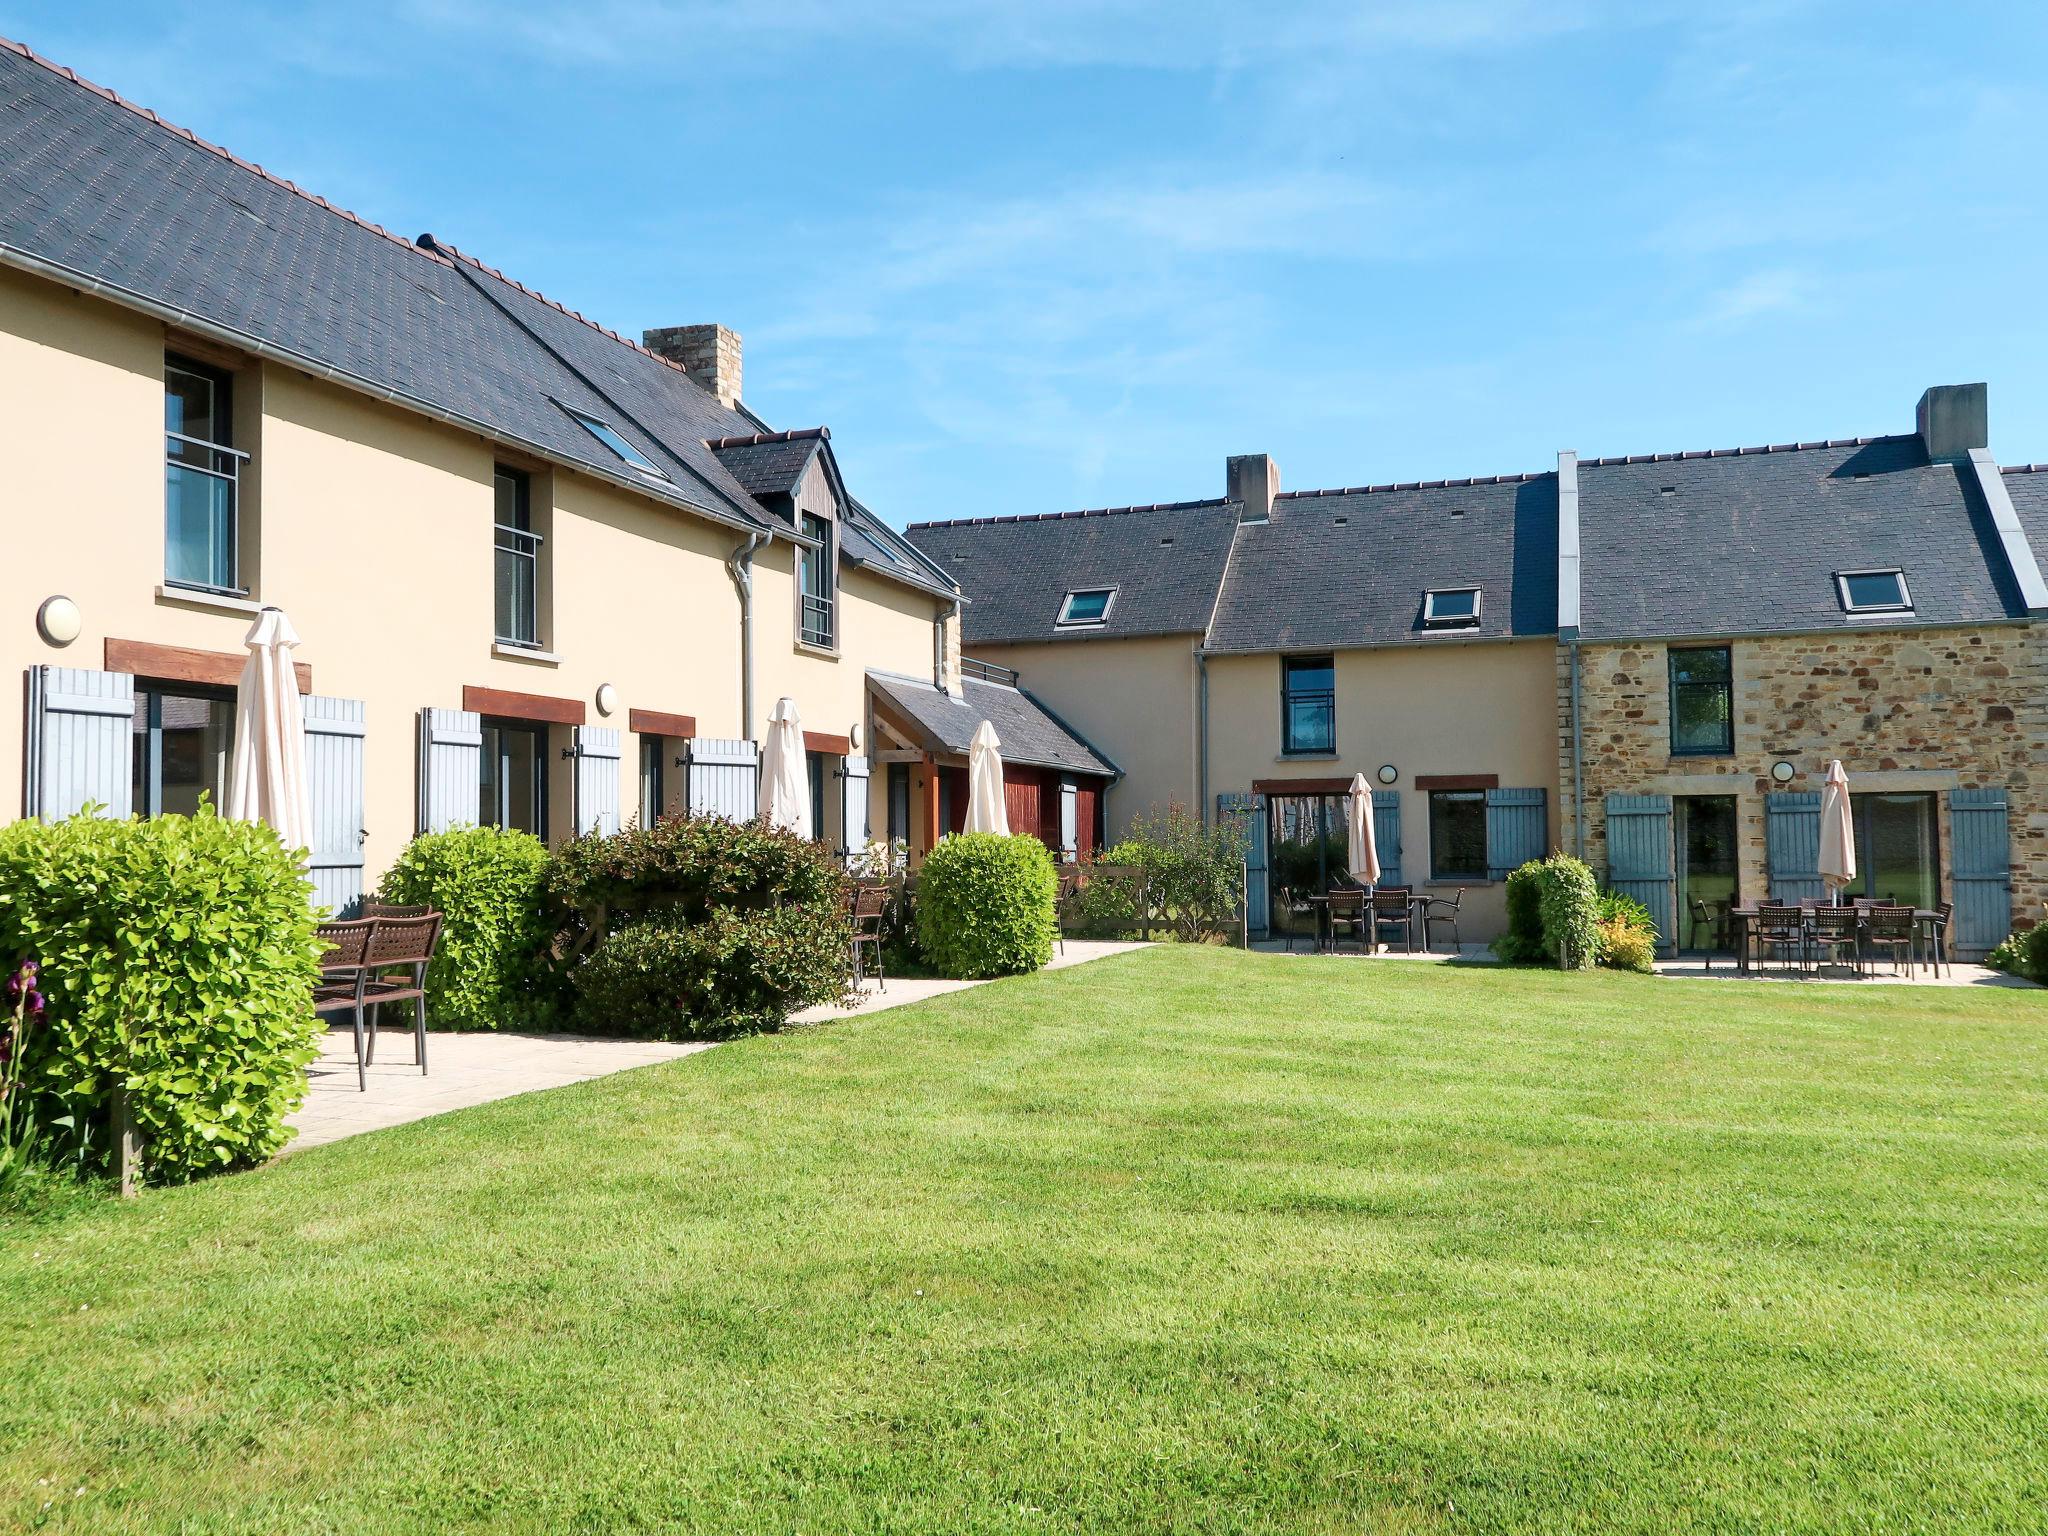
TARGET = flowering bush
x,y
17,1130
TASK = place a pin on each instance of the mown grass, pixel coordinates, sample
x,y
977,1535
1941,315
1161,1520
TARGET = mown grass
x,y
1183,1241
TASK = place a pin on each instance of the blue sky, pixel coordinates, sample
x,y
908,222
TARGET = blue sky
x,y
1024,257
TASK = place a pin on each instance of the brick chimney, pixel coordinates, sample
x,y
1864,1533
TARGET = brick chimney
x,y
1251,480
710,354
1954,418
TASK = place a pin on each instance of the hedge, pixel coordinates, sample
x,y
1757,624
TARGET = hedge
x,y
491,967
1553,911
177,958
987,905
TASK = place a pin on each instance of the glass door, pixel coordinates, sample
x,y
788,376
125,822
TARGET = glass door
x,y
1703,827
1897,859
1308,848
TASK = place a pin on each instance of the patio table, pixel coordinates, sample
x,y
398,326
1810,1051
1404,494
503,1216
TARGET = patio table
x,y
1925,923
1417,907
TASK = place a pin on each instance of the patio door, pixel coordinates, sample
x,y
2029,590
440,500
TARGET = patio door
x,y
1307,847
1897,856
1704,836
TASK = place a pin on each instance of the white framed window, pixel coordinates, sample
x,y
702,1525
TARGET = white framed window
x,y
1086,607
1451,608
1880,590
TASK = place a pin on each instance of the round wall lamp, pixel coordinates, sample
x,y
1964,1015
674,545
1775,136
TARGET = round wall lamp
x,y
1388,773
1783,772
59,621
607,698
853,736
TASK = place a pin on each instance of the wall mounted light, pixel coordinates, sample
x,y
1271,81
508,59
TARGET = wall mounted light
x,y
607,698
1783,772
853,736
1388,773
59,621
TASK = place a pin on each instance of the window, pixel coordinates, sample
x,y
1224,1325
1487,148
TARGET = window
x,y
814,765
605,434
202,478
515,776
1702,702
652,753
1873,591
1090,606
815,571
1308,704
1457,834
1451,608
517,577
899,803
182,747
1897,856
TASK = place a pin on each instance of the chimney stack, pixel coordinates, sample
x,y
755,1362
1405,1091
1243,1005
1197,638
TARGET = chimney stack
x,y
1251,480
1953,419
710,354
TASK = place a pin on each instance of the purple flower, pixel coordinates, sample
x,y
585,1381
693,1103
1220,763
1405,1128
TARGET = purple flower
x,y
35,1002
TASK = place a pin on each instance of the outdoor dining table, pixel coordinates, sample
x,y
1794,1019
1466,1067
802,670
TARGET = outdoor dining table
x,y
1926,924
1418,907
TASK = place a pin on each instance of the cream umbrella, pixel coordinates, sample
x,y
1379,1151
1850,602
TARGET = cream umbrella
x,y
1362,855
268,780
986,811
785,776
1837,833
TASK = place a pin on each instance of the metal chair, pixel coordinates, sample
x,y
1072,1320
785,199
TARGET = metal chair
x,y
1296,907
1938,934
1442,911
1895,929
1391,908
387,909
1781,929
343,976
1834,931
870,911
1701,916
403,944
1348,914
1066,902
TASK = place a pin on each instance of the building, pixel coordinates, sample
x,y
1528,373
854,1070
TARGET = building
x,y
1646,660
543,576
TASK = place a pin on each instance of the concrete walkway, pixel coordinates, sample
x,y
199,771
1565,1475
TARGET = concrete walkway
x,y
475,1067
1881,974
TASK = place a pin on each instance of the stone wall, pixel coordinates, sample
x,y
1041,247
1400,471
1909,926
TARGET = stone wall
x,y
1904,709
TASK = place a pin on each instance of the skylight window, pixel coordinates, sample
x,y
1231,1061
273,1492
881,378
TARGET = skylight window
x,y
1879,591
1451,608
1085,607
606,434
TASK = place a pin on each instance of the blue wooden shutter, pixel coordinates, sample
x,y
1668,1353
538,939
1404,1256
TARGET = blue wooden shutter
x,y
1517,829
1792,845
81,742
1249,811
723,774
1386,833
334,776
1982,866
451,768
597,779
1070,821
1639,858
853,804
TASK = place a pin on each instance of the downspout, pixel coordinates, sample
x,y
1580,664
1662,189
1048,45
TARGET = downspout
x,y
1578,761
740,566
1202,732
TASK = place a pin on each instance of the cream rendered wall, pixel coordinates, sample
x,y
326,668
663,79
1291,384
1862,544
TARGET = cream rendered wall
x,y
376,540
1453,708
1134,699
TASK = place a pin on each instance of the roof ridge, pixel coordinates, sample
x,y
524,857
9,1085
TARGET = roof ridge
x,y
1054,517
65,72
755,439
1420,485
434,243
2023,469
1743,453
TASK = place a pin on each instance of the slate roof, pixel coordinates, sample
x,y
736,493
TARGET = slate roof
x,y
1016,571
117,200
1350,568
2027,485
769,468
1748,543
1031,734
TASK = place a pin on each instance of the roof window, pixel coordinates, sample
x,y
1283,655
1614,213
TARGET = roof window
x,y
1451,608
606,434
1874,591
1086,607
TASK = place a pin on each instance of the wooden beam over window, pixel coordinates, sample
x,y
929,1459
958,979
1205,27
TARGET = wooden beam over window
x,y
652,722
831,746
522,706
1425,782
182,664
1300,786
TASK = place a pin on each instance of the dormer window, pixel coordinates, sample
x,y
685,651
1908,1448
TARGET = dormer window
x,y
1086,607
1451,608
1875,591
605,433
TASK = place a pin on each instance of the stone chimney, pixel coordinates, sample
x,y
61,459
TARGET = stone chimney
x,y
1251,480
1953,419
710,354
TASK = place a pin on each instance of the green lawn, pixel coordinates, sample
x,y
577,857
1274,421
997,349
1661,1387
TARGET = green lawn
x,y
1182,1241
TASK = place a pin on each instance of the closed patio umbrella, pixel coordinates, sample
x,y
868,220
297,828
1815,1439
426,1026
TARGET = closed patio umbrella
x,y
1363,854
268,780
986,811
1837,833
785,776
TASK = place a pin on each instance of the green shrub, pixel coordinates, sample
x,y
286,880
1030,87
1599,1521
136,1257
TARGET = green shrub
x,y
1522,943
1627,946
1194,874
985,905
1614,906
489,884
2024,953
1553,908
177,961
700,928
